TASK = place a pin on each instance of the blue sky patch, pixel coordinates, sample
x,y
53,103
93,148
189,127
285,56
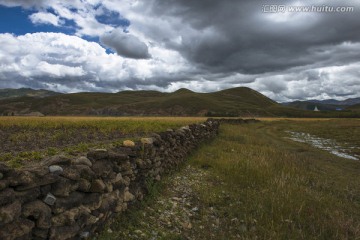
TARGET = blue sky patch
x,y
16,20
112,18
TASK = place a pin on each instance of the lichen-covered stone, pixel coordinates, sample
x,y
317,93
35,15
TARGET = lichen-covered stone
x,y
38,233
64,232
98,186
64,187
102,168
84,185
28,195
10,212
16,229
7,196
29,181
148,141
128,196
39,211
71,173
69,217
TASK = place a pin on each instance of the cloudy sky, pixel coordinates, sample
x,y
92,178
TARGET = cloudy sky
x,y
203,45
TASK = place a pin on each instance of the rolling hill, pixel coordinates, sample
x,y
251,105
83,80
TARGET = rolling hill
x,y
239,101
25,92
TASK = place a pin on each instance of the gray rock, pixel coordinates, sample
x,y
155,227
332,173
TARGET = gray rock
x,y
84,235
50,199
56,169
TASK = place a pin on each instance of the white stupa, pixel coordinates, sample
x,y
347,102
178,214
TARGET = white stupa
x,y
316,109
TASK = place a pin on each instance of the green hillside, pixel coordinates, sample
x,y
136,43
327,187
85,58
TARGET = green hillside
x,y
25,92
239,101
354,108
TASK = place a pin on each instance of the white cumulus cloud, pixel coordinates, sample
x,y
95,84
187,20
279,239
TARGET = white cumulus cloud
x,y
45,18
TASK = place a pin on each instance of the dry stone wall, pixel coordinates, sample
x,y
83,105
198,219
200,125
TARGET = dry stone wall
x,y
71,198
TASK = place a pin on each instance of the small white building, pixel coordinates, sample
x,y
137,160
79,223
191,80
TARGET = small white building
x,y
316,109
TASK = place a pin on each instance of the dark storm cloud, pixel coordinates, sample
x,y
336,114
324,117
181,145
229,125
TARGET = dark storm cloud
x,y
125,44
23,3
237,36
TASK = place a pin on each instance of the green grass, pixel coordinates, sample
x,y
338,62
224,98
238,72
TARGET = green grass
x,y
265,186
292,190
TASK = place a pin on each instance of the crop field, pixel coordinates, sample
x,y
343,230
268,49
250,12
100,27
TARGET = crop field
x,y
254,182
24,139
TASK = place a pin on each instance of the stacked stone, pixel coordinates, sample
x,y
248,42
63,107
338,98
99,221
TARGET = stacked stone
x,y
71,198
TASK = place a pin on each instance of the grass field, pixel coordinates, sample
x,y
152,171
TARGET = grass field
x,y
24,139
258,184
251,182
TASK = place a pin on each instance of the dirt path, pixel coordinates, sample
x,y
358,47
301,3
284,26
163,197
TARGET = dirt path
x,y
176,213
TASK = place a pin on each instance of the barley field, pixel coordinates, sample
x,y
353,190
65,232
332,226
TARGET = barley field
x,y
24,139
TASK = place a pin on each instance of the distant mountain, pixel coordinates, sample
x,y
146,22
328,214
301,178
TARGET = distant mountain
x,y
235,102
347,102
323,105
309,105
25,92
